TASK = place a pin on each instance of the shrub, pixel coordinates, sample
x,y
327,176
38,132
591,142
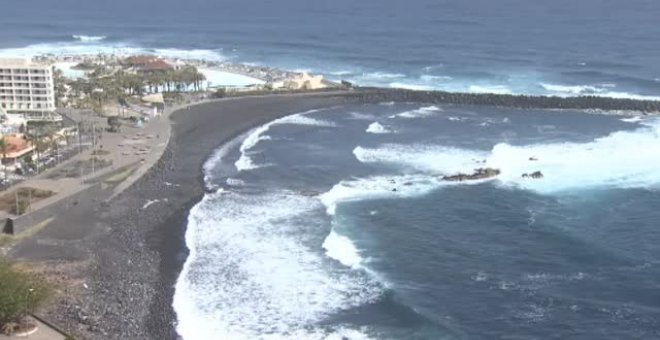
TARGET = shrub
x,y
21,207
21,292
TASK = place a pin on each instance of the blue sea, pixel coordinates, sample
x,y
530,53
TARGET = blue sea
x,y
336,223
560,47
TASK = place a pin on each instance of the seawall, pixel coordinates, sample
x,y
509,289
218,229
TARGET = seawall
x,y
373,94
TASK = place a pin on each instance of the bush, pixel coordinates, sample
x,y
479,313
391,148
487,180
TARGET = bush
x,y
20,208
219,93
20,293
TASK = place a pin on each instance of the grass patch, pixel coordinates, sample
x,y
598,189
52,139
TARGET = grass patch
x,y
21,292
100,152
18,201
119,176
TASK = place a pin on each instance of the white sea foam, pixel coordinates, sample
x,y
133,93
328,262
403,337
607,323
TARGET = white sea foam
x,y
90,47
429,158
303,119
342,249
576,89
382,76
430,78
421,112
361,116
244,162
621,159
89,38
602,90
234,182
255,136
219,154
341,73
248,276
377,187
378,128
408,86
635,119
496,89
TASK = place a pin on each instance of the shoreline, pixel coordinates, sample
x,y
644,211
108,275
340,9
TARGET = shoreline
x,y
136,248
175,227
121,265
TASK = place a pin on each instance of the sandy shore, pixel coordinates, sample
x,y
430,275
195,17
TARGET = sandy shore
x,y
117,261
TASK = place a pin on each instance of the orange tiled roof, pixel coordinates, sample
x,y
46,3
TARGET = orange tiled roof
x,y
17,146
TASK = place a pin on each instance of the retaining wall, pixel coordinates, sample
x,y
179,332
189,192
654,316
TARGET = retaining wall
x,y
17,224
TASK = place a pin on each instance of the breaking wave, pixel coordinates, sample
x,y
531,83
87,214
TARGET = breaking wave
x,y
88,46
495,89
621,159
377,187
378,128
342,249
429,158
245,161
602,90
421,112
89,38
249,274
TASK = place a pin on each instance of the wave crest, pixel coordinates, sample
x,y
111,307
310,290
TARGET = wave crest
x,y
250,275
89,38
621,159
378,128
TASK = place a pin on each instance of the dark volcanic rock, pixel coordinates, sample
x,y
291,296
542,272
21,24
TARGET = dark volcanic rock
x,y
535,175
507,100
480,173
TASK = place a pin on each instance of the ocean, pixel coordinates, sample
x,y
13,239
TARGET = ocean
x,y
336,223
562,47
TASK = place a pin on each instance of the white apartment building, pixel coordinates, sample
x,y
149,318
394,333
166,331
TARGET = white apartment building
x,y
26,89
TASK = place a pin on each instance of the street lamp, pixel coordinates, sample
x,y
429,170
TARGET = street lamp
x,y
27,306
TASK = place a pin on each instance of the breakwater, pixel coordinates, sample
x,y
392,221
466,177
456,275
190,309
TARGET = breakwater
x,y
369,94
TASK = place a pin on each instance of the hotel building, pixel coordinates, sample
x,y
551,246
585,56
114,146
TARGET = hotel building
x,y
26,89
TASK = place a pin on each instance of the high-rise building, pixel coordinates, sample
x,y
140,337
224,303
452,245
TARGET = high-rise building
x,y
26,88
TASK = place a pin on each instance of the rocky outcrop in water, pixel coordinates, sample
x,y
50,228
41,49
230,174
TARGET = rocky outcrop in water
x,y
481,173
534,175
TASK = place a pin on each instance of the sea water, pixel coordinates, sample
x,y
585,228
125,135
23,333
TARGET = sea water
x,y
562,47
334,231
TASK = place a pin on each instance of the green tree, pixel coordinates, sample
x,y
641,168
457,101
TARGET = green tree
x,y
3,149
21,293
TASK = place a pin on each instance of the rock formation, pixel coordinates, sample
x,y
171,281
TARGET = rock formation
x,y
535,175
480,173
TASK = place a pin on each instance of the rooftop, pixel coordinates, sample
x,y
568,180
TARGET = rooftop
x,y
20,62
147,63
17,145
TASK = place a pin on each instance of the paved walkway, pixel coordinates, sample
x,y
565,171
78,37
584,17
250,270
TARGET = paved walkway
x,y
141,146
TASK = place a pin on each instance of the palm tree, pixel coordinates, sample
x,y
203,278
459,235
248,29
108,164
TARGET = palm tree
x,y
3,149
60,90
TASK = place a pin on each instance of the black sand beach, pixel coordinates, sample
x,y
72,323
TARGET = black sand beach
x,y
119,260
197,132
